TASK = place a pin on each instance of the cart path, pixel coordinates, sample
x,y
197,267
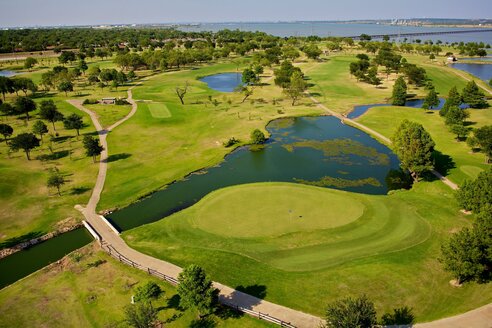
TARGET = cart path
x,y
227,294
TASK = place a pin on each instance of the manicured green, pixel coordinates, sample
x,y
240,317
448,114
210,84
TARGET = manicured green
x,y
390,252
90,289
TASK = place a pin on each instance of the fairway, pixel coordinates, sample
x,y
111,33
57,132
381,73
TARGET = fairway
x,y
158,110
281,209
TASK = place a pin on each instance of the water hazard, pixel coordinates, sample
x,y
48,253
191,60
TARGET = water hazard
x,y
224,82
314,150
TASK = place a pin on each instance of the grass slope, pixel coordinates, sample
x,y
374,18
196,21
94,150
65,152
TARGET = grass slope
x,y
460,162
389,253
71,294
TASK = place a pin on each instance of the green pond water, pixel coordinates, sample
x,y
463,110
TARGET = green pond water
x,y
318,151
23,263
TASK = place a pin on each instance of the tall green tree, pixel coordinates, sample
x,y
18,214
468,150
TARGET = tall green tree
x,y
30,62
48,111
312,51
39,128
399,97
296,87
456,115
473,96
74,122
483,138
196,290
55,180
453,99
351,312
24,105
476,194
65,86
24,141
6,86
92,147
141,315
257,137
431,100
6,131
414,146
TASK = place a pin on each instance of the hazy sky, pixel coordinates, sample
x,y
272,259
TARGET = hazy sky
x,y
81,12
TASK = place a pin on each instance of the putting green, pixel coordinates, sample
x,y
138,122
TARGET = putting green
x,y
159,110
272,211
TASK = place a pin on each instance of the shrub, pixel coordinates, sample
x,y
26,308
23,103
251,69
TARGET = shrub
x,y
148,291
231,142
90,101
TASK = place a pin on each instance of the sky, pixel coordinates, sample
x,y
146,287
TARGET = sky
x,y
90,12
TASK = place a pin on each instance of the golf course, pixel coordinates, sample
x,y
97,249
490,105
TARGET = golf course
x,y
271,190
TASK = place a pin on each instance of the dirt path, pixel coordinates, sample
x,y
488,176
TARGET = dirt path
x,y
227,294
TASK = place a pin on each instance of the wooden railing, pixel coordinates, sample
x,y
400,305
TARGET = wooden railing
x,y
173,281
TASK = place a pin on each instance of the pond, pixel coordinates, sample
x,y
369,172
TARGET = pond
x,y
8,73
414,103
482,71
224,82
23,263
314,150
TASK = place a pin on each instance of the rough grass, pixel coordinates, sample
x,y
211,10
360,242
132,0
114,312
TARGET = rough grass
x,y
109,114
390,253
455,159
164,150
71,294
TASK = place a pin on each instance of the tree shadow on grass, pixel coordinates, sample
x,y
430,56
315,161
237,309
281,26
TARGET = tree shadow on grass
x,y
79,190
20,239
254,290
203,323
54,156
117,157
443,164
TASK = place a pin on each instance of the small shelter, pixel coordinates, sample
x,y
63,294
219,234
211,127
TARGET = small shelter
x,y
108,101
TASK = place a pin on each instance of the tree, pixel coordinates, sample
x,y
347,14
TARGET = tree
x,y
24,141
372,76
414,146
29,62
24,105
431,100
6,131
39,128
399,92
55,180
196,291
147,292
141,315
296,87
6,86
284,73
24,84
249,77
49,112
181,92
66,56
483,138
82,66
456,115
312,51
74,122
400,316
92,147
462,257
257,137
351,312
415,75
65,86
475,195
453,99
460,130
473,96
247,92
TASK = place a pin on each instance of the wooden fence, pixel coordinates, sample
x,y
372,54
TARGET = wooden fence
x,y
173,281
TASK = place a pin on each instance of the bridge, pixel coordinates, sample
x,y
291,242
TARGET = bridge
x,y
399,35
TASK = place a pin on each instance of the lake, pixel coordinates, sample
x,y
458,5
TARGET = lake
x,y
8,73
224,82
482,71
